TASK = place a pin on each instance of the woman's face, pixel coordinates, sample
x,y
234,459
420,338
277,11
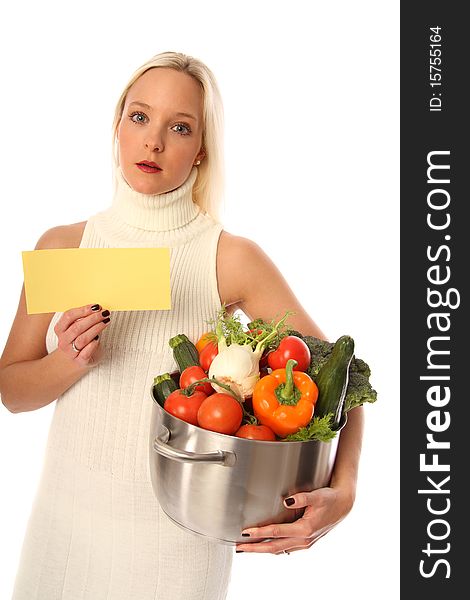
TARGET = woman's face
x,y
162,123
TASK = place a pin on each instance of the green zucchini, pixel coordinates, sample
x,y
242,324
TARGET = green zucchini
x,y
332,380
163,386
184,352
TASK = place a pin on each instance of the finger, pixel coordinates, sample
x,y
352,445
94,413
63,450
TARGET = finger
x,y
86,354
79,327
301,499
88,335
297,529
276,546
71,315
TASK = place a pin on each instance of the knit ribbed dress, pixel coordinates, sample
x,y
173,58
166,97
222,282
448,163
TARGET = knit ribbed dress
x,y
96,530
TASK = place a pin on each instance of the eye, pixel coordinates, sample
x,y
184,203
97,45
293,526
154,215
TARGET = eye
x,y
185,126
139,114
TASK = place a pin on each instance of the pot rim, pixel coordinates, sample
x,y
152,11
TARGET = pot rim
x,y
224,436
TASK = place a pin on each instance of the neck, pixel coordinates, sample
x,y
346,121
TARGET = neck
x,y
155,212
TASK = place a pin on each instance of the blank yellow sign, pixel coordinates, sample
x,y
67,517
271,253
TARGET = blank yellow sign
x,y
117,278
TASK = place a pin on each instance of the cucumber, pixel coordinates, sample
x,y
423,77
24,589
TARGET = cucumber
x,y
184,352
332,380
163,385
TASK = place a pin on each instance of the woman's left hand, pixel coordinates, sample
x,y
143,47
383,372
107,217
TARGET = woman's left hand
x,y
324,508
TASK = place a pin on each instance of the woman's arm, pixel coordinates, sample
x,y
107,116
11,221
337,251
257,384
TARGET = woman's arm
x,y
249,280
348,454
30,384
30,377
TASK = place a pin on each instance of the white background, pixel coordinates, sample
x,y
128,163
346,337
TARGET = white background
x,y
311,107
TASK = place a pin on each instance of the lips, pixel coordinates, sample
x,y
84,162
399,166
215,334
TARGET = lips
x,y
149,167
146,163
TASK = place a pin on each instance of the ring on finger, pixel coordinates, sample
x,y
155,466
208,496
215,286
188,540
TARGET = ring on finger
x,y
75,347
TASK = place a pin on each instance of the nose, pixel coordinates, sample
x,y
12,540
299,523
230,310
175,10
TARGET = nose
x,y
154,141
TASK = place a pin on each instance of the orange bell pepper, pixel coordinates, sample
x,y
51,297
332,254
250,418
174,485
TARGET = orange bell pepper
x,y
285,399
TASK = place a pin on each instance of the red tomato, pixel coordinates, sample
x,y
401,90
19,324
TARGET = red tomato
x,y
290,347
192,374
184,407
221,413
207,355
256,432
203,340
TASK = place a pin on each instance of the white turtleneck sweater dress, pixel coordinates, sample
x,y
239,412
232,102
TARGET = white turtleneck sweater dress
x,y
96,530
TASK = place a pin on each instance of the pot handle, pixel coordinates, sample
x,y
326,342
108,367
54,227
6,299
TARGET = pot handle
x,y
220,457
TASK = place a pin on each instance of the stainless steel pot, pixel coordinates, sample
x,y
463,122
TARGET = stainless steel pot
x,y
216,485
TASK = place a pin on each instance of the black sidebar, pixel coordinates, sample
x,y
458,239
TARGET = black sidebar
x,y
435,320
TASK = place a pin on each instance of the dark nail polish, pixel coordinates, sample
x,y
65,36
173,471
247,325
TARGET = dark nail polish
x,y
96,337
245,534
290,501
106,320
95,307
105,313
238,551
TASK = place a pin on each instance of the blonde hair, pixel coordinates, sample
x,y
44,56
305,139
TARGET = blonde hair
x,y
209,185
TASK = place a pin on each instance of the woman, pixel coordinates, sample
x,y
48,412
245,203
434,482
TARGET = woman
x,y
96,530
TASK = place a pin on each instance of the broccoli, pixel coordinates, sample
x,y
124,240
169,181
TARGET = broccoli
x,y
358,392
359,366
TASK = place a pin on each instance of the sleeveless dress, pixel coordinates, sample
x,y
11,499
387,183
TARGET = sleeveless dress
x,y
96,530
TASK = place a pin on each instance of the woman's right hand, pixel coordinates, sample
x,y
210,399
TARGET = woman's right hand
x,y
82,327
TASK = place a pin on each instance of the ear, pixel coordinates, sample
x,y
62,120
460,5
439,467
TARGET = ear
x,y
201,154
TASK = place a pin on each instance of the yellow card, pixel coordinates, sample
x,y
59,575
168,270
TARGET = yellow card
x,y
116,278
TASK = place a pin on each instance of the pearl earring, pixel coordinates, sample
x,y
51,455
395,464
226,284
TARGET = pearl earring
x,y
198,162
